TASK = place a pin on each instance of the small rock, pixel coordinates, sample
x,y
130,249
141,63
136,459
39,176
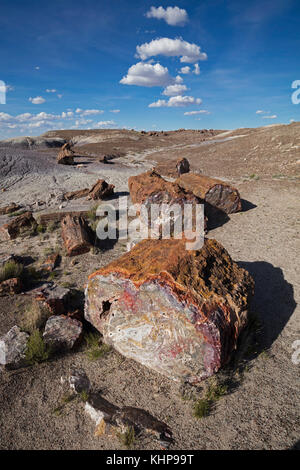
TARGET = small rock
x,y
65,155
53,297
13,228
79,381
101,190
51,262
62,333
12,348
182,166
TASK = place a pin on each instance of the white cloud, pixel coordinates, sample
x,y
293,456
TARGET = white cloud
x,y
114,111
171,48
24,117
274,116
292,120
173,16
9,88
89,112
37,100
193,113
174,90
185,70
50,90
59,96
105,123
67,114
196,69
37,68
175,102
5,117
260,111
145,74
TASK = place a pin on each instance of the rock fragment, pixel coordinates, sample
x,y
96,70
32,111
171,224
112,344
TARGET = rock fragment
x,y
13,207
62,333
66,155
12,348
17,225
101,190
53,297
79,381
11,286
182,166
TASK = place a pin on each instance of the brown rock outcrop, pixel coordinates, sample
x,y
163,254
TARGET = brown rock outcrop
x,y
66,155
178,312
76,235
17,225
214,192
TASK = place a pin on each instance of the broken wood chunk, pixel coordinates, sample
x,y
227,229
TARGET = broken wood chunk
x,y
214,192
76,194
76,235
182,166
13,207
176,311
66,155
56,217
101,190
17,225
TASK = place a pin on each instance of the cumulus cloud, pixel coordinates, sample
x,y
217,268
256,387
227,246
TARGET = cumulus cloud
x,y
175,102
274,116
50,90
37,100
185,70
173,16
145,74
187,51
105,123
174,90
196,69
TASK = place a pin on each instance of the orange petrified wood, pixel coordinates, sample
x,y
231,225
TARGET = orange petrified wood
x,y
178,312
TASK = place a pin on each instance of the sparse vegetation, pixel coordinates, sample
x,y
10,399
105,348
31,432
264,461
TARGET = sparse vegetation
x,y
35,317
127,438
16,213
36,350
213,393
91,215
40,229
95,350
84,396
11,269
52,226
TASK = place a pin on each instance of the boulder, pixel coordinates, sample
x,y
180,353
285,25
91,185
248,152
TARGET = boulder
x,y
62,333
66,155
76,235
12,348
182,166
11,286
13,207
101,190
214,192
176,311
17,225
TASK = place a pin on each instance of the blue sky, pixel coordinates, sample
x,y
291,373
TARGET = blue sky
x,y
95,57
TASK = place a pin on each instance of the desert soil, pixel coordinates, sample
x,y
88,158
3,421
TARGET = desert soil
x,y
261,407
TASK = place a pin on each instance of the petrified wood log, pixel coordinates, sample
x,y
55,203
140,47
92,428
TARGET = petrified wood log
x,y
214,192
182,166
76,235
9,209
178,312
17,225
150,188
45,219
101,190
76,194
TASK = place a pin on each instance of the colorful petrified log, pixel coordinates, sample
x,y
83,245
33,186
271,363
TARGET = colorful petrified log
x,y
215,192
76,235
178,312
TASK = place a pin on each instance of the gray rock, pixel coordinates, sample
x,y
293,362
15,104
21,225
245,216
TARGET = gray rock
x,y
12,347
62,333
79,381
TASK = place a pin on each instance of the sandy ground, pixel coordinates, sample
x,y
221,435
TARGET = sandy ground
x,y
261,408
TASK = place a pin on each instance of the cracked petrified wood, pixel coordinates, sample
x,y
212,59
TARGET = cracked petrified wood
x,y
76,235
17,225
66,155
182,166
214,192
178,312
101,190
150,188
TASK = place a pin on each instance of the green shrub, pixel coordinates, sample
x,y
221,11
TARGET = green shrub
x,y
11,269
94,349
202,408
35,317
127,438
36,350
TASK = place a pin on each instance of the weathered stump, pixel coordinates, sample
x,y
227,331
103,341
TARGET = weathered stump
x,y
76,235
178,312
101,190
214,192
66,155
17,225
